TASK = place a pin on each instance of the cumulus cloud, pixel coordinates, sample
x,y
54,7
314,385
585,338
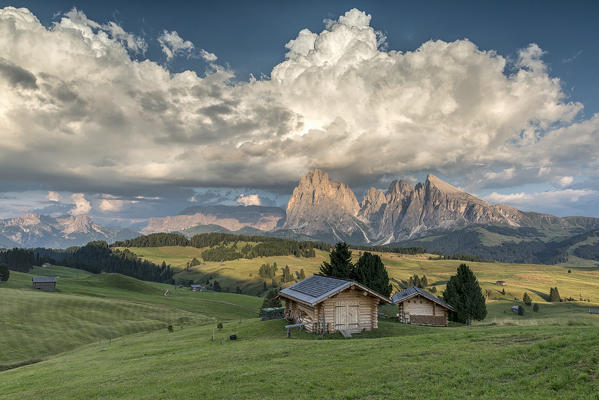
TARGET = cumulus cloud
x,y
92,115
82,206
172,44
53,196
566,181
249,200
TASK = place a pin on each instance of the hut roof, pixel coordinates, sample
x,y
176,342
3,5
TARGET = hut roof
x,y
44,279
412,291
316,288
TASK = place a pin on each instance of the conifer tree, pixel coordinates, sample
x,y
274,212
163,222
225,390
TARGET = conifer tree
x,y
526,299
371,272
271,300
554,295
464,294
340,265
4,272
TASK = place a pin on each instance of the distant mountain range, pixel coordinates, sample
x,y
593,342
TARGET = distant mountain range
x,y
34,230
434,215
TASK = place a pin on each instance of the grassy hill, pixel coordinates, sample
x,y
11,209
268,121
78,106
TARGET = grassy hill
x,y
535,279
104,336
88,308
416,362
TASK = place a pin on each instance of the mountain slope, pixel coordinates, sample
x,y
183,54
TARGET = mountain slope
x,y
35,230
231,218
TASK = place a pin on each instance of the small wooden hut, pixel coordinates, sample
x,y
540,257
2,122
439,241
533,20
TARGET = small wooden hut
x,y
419,307
47,283
332,305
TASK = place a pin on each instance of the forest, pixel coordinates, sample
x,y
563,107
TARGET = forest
x,y
97,257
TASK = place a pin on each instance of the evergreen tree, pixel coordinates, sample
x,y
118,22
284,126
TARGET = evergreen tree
x,y
526,299
371,272
340,265
216,286
464,294
535,308
4,272
520,310
302,274
554,295
271,300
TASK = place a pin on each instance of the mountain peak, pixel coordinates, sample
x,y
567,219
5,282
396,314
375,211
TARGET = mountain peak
x,y
441,185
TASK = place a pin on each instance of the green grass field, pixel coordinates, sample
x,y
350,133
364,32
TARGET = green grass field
x,y
90,308
398,361
105,336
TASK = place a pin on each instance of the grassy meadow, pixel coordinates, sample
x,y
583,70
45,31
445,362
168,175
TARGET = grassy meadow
x,y
105,336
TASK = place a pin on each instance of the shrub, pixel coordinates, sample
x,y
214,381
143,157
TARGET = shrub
x,y
170,328
526,299
520,310
535,308
219,326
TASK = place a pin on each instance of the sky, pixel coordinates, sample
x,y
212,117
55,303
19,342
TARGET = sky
x,y
127,111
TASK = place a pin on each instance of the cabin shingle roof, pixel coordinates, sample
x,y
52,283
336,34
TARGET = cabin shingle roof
x,y
44,279
414,291
316,288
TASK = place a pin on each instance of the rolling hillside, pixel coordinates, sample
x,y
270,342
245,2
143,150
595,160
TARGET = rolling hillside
x,y
91,308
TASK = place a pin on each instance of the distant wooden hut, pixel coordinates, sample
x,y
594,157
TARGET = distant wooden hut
x,y
332,305
198,288
419,307
500,283
47,283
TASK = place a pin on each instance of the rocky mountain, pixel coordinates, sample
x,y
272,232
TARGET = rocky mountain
x,y
330,211
231,218
35,230
320,207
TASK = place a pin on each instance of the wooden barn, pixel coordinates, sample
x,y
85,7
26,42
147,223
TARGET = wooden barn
x,y
332,305
419,307
47,283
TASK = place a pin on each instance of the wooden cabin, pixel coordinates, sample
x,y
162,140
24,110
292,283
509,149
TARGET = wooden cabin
x,y
47,283
198,288
419,307
332,305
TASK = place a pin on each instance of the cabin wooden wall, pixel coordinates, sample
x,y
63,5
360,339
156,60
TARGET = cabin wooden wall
x,y
422,311
367,310
298,312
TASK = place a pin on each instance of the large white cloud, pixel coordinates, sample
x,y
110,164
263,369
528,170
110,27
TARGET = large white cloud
x,y
77,102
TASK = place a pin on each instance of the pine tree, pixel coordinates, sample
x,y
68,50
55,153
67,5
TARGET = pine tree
x,y
340,265
4,272
302,274
526,299
271,300
464,294
554,295
371,272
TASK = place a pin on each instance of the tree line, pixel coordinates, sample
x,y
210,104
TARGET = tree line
x,y
97,257
224,246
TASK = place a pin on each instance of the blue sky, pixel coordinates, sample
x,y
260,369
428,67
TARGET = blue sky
x,y
532,148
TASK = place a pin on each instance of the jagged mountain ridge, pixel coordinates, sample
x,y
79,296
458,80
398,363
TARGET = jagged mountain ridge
x,y
35,230
329,210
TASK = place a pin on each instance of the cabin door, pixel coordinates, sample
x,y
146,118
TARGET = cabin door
x,y
347,315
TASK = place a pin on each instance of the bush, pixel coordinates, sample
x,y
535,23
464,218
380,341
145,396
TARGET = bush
x,y
520,310
170,328
535,308
219,326
526,299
